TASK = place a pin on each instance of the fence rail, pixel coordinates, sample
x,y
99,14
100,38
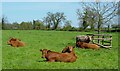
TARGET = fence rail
x,y
104,40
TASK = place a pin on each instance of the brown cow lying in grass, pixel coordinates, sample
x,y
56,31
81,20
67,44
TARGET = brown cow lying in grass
x,y
15,42
52,56
87,45
68,49
83,38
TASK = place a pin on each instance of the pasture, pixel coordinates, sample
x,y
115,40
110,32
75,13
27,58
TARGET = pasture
x,y
29,56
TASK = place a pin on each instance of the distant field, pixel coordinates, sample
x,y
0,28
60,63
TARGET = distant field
x,y
29,57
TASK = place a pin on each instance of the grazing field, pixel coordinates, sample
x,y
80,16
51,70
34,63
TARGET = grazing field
x,y
29,56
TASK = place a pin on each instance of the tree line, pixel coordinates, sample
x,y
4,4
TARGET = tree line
x,y
93,17
52,21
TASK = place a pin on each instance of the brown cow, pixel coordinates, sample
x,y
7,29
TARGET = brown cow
x,y
83,38
52,56
15,42
68,49
87,45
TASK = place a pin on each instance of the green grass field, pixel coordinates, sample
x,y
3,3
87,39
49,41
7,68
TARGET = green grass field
x,y
0,50
29,57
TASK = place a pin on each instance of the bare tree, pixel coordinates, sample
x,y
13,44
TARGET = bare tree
x,y
38,24
88,18
47,20
103,12
54,19
4,21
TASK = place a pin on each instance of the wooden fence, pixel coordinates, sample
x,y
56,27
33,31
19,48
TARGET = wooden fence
x,y
103,40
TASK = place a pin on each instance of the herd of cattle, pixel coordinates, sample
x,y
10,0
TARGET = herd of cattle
x,y
67,54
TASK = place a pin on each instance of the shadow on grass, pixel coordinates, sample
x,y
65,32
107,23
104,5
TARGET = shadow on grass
x,y
42,61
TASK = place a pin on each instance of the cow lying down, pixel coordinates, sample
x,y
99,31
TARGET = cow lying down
x,y
52,56
15,42
83,38
68,49
87,45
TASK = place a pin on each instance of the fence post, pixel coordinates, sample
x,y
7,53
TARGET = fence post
x,y
110,40
92,38
103,40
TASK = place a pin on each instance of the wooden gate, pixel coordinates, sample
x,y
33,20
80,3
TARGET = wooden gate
x,y
103,40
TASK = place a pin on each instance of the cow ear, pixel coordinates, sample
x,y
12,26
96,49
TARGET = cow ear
x,y
14,39
49,51
18,39
73,46
11,38
40,49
